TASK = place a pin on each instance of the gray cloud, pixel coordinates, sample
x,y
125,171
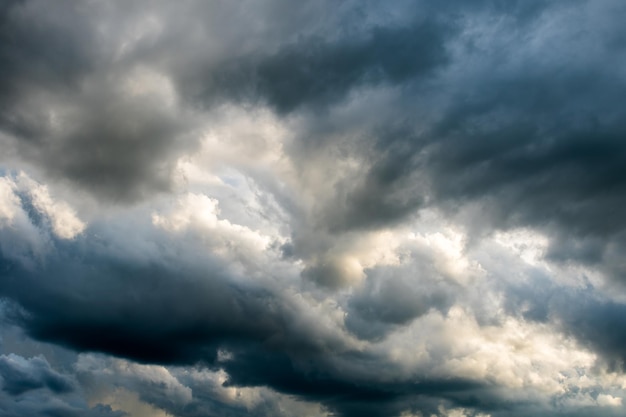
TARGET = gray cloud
x,y
20,376
31,387
594,320
38,407
389,299
447,123
185,310
78,113
316,72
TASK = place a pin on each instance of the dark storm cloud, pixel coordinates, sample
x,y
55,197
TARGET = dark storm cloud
x,y
66,93
519,135
600,324
42,407
525,119
535,141
316,72
20,376
118,147
30,387
390,190
348,395
596,321
388,300
169,316
540,164
154,312
39,48
541,155
67,103
164,304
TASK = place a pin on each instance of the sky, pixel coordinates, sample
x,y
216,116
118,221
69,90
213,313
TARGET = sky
x,y
316,208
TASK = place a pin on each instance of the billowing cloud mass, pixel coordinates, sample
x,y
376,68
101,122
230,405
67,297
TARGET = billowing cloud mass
x,y
315,208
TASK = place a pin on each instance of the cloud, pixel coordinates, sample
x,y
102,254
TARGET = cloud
x,y
269,208
317,72
20,375
254,331
31,387
78,114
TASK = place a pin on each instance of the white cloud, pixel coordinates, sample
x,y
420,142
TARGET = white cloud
x,y
199,214
607,400
9,202
65,224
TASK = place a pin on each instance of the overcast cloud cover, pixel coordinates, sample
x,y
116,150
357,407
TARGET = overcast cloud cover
x,y
315,208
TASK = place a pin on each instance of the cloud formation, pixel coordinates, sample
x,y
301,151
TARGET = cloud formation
x,y
268,208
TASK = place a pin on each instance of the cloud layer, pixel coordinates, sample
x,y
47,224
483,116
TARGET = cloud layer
x,y
273,209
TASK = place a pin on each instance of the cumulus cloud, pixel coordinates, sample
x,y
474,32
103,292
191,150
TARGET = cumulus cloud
x,y
32,387
20,375
268,208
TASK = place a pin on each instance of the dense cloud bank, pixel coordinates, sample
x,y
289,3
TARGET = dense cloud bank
x,y
279,208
